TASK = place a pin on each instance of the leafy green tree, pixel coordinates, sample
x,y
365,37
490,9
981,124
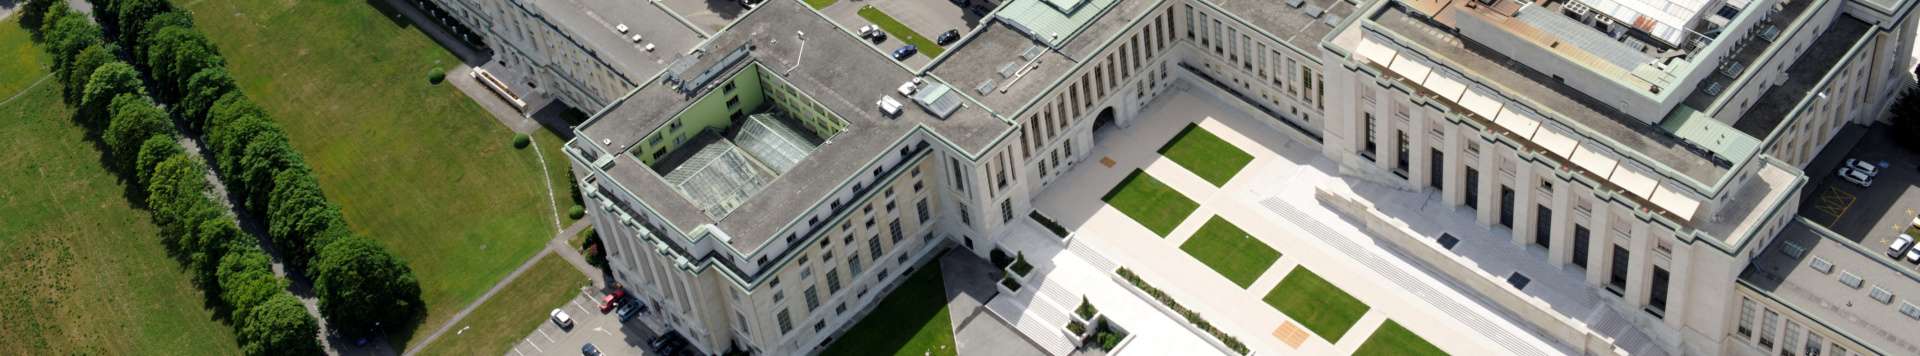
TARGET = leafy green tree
x,y
70,34
108,82
106,11
229,141
247,280
207,245
177,17
279,326
359,283
1906,118
76,74
34,13
152,151
266,155
302,220
134,120
176,53
133,16
231,107
202,90
176,195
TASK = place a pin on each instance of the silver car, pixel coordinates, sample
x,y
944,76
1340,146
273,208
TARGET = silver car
x,y
560,318
1856,177
1863,166
1899,245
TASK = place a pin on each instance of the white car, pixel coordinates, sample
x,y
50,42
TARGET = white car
x,y
1856,177
1899,245
1913,255
868,30
561,318
1863,166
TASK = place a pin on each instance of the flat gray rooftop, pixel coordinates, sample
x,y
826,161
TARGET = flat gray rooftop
x,y
1544,94
982,57
596,23
1701,100
1098,33
1806,73
1793,282
843,73
1290,24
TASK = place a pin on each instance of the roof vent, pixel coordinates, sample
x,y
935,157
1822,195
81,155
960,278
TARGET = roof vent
x,y
1907,307
621,27
1847,278
986,86
1881,295
1030,53
1793,250
1821,264
1007,70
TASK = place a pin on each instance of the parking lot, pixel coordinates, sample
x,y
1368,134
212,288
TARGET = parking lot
x,y
1872,216
603,330
928,17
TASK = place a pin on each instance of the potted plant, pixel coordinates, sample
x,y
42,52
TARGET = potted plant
x,y
1086,312
1008,284
1020,268
1077,332
1108,335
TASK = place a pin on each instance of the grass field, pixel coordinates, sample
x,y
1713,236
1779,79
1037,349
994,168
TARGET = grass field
x,y
913,321
1231,251
820,4
900,31
515,311
418,166
1205,154
81,271
1316,304
1150,202
1395,340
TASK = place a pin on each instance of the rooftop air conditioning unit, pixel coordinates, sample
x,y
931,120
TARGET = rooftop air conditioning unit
x,y
621,27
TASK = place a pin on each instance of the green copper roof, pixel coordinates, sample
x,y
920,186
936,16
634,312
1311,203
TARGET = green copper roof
x,y
1046,18
1715,136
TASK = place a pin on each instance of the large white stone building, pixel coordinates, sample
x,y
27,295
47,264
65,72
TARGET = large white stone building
x,y
1658,145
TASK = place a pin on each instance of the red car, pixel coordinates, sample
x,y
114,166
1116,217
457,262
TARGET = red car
x,y
611,300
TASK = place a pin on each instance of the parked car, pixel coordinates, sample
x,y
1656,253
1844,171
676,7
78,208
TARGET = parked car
x,y
612,300
980,11
661,340
1913,255
947,38
628,310
904,52
589,350
1863,166
561,318
1899,245
1856,177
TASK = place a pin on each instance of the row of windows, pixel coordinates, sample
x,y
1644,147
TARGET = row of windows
x,y
1255,56
1791,341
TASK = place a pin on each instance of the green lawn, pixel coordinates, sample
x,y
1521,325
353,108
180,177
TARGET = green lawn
x,y
1205,154
81,270
1396,340
516,310
1316,304
1231,251
1150,202
820,4
418,166
899,31
913,321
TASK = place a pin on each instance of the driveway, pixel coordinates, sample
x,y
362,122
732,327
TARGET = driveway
x,y
1871,216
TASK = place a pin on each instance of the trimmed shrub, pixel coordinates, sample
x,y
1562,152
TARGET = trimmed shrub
x,y
522,140
1020,265
436,75
577,212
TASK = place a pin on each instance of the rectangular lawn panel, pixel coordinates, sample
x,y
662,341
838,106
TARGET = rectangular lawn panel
x,y
83,270
1205,154
1393,339
1230,251
1316,304
517,310
900,31
1150,202
913,321
418,166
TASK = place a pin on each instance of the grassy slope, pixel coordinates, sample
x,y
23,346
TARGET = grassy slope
x,y
21,63
901,31
1393,339
420,167
1316,304
1205,154
1150,202
81,271
1231,251
515,311
913,321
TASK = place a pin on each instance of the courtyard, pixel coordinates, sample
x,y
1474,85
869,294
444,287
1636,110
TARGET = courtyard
x,y
1282,279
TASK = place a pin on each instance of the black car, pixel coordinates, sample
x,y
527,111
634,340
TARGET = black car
x,y
980,11
663,339
674,345
947,38
589,350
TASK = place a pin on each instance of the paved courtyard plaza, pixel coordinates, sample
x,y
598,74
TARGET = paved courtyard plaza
x,y
1356,283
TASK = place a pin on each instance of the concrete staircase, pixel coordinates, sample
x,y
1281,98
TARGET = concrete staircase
x,y
1035,311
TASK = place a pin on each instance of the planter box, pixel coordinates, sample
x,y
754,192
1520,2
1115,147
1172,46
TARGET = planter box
x,y
1078,339
1017,276
1009,291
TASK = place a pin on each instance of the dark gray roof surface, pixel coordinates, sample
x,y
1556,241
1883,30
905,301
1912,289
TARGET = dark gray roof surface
x,y
982,57
1290,24
1793,282
595,24
1806,72
845,74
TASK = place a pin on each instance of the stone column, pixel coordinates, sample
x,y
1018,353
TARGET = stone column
x,y
1679,272
1597,245
1489,207
1562,205
1451,179
1637,271
1417,152
1524,183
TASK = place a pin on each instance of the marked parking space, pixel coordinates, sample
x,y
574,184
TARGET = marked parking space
x,y
1833,203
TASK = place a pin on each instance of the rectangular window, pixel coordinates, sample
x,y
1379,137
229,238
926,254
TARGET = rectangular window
x,y
921,208
813,298
1617,282
873,247
1813,343
779,296
853,264
1580,241
965,219
1543,227
1790,339
1746,318
833,281
1189,22
1766,329
806,272
1371,145
786,322
735,101
1006,210
1658,297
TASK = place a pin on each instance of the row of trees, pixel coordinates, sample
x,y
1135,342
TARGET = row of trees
x,y
359,282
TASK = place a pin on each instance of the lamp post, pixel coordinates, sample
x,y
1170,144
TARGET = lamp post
x,y
463,330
